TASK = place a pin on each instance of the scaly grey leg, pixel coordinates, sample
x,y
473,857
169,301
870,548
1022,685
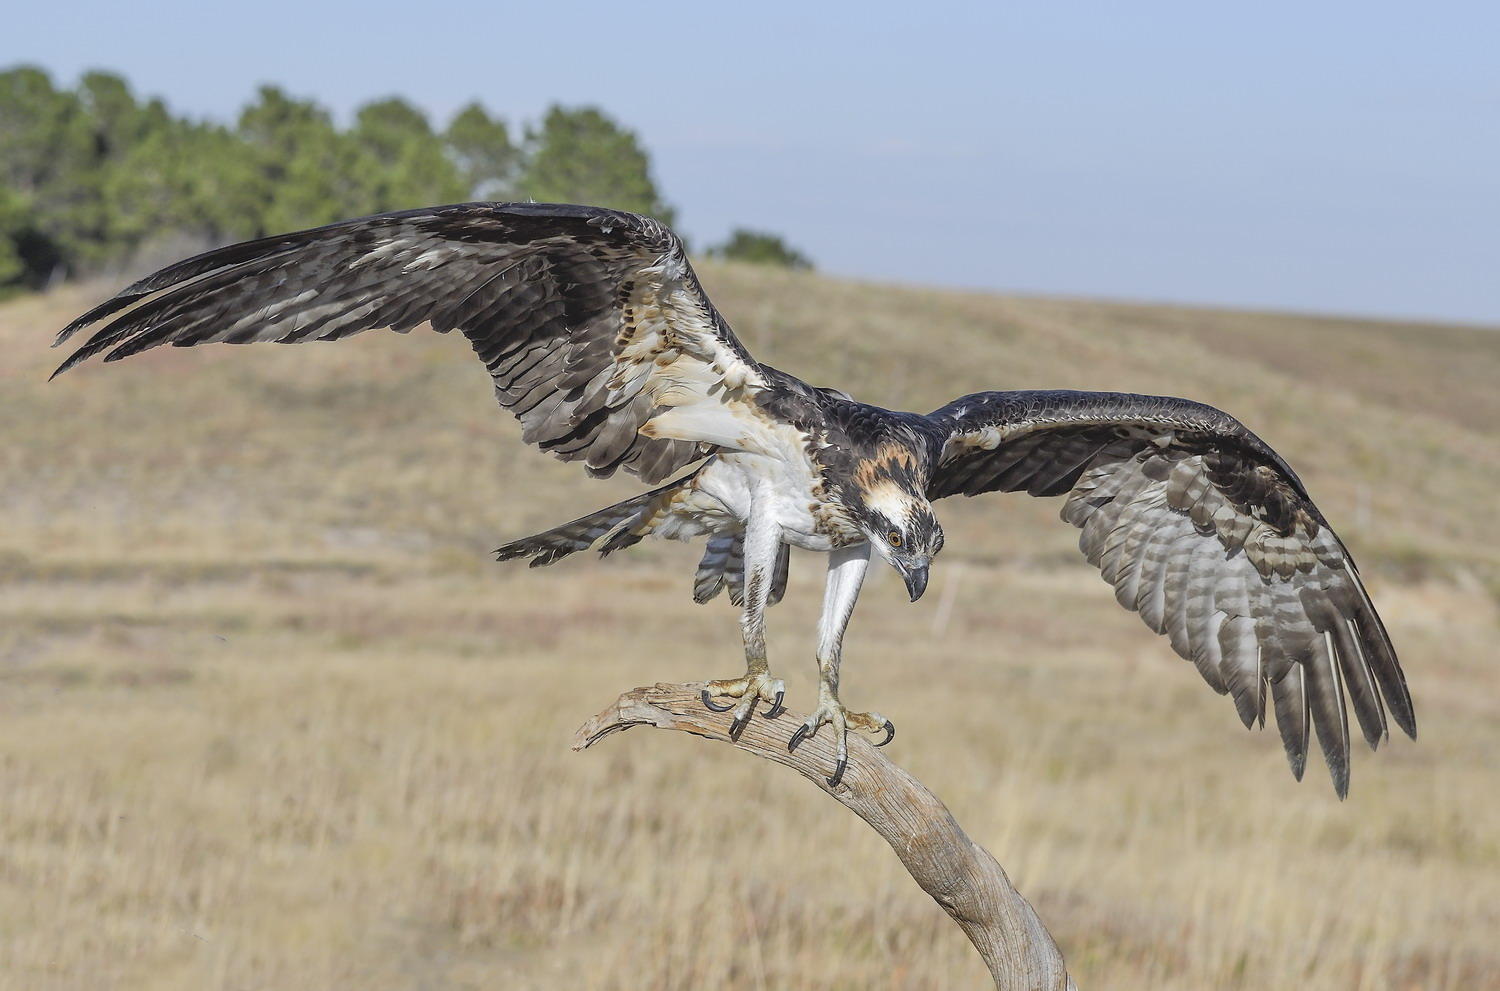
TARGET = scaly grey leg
x,y
846,574
762,543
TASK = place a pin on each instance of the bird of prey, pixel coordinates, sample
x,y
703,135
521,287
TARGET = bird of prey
x,y
600,340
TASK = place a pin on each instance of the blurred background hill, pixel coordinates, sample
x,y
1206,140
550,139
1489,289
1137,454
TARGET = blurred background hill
x,y
270,718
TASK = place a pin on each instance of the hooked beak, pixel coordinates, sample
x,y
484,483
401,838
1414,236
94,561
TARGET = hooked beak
x,y
916,579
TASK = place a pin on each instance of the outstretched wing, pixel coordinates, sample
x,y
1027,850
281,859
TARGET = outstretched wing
x,y
1203,530
590,321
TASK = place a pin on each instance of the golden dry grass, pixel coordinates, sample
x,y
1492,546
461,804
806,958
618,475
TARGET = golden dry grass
x,y
270,719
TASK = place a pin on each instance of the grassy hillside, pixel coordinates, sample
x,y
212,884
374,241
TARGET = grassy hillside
x,y
270,718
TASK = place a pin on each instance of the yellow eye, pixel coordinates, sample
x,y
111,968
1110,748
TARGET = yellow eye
x,y
895,539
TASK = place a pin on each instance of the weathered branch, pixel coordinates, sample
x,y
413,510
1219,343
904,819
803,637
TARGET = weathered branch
x,y
958,873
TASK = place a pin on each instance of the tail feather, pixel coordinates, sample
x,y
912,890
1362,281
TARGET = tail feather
x,y
714,568
723,565
619,526
780,575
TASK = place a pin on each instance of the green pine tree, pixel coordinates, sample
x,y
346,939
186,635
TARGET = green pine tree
x,y
761,248
14,224
582,156
306,172
407,165
49,161
480,146
94,176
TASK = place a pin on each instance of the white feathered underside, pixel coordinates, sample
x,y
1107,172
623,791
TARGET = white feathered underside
x,y
704,390
1173,547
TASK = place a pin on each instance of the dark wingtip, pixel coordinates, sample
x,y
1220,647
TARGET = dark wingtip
x,y
103,309
1339,772
76,358
1298,762
1405,716
128,296
514,551
71,329
1247,712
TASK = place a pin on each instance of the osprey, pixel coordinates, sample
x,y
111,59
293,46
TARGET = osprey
x,y
600,340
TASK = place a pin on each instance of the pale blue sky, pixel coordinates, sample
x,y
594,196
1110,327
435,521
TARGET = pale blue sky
x,y
1336,157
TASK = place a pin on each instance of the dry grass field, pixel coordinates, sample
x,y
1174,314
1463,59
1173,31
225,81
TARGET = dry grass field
x,y
271,719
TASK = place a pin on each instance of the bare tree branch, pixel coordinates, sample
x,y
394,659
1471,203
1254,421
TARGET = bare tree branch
x,y
958,873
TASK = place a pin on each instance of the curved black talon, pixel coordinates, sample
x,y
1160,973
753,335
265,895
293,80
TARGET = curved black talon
x,y
838,772
707,704
776,707
890,733
738,725
802,733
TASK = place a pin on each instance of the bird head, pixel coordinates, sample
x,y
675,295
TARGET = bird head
x,y
902,527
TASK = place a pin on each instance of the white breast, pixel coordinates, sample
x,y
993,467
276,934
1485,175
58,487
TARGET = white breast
x,y
787,488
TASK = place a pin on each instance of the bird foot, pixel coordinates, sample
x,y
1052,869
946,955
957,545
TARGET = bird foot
x,y
750,689
832,712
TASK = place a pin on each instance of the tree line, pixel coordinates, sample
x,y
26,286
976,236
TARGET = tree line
x,y
93,177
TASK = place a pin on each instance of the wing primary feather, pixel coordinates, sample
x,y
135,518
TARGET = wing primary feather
x,y
1293,718
1329,717
1211,537
1360,681
539,290
1382,658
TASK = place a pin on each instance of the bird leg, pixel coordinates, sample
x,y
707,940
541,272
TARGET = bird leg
x,y
846,573
762,543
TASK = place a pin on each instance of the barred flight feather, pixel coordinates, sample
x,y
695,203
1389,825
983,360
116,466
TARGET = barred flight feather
x,y
1207,534
543,292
